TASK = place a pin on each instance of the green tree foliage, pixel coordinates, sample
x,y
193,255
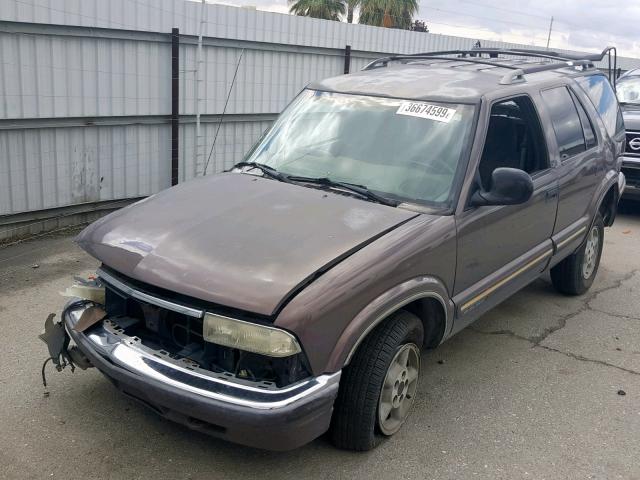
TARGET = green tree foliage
x,y
351,6
419,26
379,13
388,13
325,9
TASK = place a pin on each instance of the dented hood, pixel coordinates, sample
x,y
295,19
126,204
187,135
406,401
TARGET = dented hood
x,y
236,239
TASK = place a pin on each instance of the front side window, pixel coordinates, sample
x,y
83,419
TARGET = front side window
x,y
565,120
514,140
405,150
604,99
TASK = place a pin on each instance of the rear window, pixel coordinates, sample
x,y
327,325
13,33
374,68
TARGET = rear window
x,y
604,99
565,120
587,127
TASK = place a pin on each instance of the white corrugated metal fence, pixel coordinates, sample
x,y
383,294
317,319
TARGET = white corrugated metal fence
x,y
85,90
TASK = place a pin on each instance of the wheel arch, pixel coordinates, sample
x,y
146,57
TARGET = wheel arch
x,y
607,198
425,297
432,312
608,205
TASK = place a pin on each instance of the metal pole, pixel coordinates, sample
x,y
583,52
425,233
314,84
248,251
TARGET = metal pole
x,y
199,93
549,36
347,58
175,92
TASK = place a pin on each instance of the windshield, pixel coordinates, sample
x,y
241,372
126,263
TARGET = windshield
x,y
628,90
404,150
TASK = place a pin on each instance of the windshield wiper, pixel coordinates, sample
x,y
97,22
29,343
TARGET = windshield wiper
x,y
361,190
266,170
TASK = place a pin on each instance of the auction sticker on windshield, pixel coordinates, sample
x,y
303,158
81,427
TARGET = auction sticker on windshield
x,y
426,110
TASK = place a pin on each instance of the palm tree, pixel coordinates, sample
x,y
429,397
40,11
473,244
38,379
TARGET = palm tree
x,y
325,9
351,6
388,13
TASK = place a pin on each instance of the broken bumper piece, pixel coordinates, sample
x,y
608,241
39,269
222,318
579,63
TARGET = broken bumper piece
x,y
253,415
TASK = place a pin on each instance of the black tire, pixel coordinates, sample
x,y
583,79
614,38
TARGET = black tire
x,y
354,424
568,276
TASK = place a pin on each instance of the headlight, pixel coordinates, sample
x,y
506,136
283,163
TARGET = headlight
x,y
250,337
94,293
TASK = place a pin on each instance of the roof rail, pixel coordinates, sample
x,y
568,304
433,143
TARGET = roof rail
x,y
517,75
384,61
594,57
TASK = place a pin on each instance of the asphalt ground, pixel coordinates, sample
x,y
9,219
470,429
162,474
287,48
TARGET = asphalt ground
x,y
542,387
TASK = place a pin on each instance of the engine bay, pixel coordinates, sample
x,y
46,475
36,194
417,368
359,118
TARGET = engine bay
x,y
180,337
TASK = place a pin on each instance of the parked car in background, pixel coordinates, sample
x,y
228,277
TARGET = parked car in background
x,y
628,90
382,213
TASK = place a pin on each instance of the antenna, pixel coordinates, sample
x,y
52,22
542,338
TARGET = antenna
x,y
224,110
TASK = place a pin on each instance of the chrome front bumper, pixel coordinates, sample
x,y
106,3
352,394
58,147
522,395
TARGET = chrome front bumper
x,y
178,389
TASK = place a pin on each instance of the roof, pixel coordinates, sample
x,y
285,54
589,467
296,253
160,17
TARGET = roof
x,y
460,76
420,80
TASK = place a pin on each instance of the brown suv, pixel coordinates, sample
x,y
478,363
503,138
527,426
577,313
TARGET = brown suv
x,y
383,212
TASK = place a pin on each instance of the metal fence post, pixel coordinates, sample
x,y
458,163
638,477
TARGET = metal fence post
x,y
347,58
175,93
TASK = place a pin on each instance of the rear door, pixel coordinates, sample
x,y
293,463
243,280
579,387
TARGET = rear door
x,y
578,151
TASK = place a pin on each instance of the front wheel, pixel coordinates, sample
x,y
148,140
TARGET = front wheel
x,y
575,274
379,386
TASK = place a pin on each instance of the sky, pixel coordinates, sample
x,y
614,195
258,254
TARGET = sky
x,y
587,25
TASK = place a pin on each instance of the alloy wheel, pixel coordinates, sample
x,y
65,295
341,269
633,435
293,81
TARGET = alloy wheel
x,y
399,388
591,252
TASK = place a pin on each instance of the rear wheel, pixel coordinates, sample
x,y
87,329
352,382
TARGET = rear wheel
x,y
575,274
379,386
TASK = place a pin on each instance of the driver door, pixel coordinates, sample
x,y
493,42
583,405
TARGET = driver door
x,y
502,248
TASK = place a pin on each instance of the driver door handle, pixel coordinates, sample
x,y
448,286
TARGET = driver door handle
x,y
551,193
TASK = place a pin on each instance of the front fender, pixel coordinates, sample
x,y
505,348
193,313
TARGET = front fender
x,y
328,316
383,306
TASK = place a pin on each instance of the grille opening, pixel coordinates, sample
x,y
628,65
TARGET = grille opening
x,y
632,149
144,402
198,424
179,336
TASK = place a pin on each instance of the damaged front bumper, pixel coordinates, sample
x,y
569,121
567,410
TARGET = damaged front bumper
x,y
219,404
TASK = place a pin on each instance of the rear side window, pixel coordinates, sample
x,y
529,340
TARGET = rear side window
x,y
565,120
587,127
604,99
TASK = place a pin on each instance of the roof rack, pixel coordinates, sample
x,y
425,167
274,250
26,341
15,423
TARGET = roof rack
x,y
563,60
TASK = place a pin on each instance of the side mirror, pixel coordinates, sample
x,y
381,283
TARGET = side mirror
x,y
509,186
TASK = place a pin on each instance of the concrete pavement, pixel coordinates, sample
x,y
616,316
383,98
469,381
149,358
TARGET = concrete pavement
x,y
531,390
